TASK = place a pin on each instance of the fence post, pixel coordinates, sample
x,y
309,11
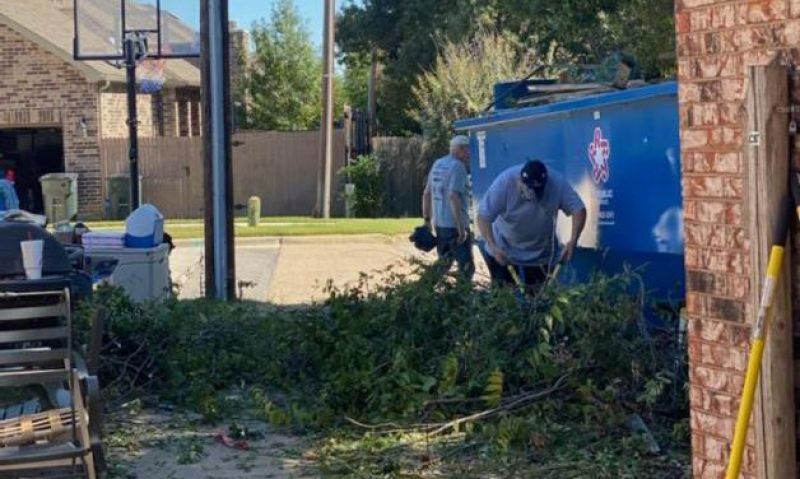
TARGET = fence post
x,y
767,170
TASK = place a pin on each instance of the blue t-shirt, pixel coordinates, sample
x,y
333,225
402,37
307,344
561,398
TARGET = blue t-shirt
x,y
8,197
448,175
525,228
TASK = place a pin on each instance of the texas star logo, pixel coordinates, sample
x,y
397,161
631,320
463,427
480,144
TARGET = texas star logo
x,y
599,151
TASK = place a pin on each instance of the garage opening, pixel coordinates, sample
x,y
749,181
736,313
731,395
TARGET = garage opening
x,y
31,153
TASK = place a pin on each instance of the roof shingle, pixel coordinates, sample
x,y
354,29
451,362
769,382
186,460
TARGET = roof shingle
x,y
52,28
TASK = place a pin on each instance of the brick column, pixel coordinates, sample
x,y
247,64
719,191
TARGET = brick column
x,y
169,113
717,41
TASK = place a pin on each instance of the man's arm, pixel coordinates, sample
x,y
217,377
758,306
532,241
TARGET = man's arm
x,y
492,205
487,232
485,228
457,185
455,207
427,205
578,223
572,205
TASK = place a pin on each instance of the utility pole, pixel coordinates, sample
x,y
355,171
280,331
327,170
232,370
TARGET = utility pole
x,y
326,126
219,237
372,95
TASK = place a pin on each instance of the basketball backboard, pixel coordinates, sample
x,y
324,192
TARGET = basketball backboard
x,y
170,26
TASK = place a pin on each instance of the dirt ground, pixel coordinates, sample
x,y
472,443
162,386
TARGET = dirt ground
x,y
156,444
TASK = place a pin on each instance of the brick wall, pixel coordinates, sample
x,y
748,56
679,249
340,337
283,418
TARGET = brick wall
x,y
717,41
39,89
114,114
158,113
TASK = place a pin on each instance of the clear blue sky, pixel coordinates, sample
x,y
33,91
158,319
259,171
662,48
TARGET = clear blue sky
x,y
245,12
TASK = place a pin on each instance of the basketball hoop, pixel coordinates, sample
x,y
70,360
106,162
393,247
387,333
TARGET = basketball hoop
x,y
138,35
150,75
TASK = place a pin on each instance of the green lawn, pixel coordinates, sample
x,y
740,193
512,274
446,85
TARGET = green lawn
x,y
286,226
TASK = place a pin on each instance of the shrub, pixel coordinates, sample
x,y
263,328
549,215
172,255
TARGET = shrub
x,y
562,376
365,173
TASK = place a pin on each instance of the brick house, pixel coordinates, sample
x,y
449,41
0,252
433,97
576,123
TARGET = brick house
x,y
717,41
55,112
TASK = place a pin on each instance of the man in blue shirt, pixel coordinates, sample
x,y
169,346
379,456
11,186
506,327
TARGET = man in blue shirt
x,y
517,219
8,196
445,205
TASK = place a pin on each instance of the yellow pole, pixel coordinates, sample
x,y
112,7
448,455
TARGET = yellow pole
x,y
754,363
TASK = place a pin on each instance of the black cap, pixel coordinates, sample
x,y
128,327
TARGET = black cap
x,y
534,176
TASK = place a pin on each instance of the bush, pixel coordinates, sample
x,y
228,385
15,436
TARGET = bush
x,y
561,377
365,173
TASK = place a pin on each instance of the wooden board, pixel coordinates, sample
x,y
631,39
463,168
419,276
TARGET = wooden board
x,y
767,162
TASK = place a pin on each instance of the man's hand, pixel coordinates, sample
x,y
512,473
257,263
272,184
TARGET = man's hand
x,y
462,236
499,255
569,251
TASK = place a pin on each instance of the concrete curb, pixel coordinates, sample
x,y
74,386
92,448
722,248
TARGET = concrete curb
x,y
309,239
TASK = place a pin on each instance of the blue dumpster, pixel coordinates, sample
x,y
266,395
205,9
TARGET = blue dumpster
x,y
620,151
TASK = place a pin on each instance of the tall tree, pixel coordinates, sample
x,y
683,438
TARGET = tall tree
x,y
568,31
460,83
355,81
284,77
404,31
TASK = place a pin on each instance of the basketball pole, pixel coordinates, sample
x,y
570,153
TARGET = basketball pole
x,y
133,120
219,233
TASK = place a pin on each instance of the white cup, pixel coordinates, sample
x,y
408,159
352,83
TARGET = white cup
x,y
32,253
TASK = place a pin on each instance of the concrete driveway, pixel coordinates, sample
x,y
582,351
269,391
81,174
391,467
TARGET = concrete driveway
x,y
255,264
305,265
294,270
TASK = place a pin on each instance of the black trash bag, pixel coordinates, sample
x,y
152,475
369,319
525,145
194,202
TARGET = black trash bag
x,y
423,239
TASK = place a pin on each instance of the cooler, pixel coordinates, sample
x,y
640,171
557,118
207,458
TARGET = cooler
x,y
144,228
142,272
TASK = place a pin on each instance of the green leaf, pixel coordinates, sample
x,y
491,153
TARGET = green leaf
x,y
493,393
545,335
557,314
428,383
548,320
449,374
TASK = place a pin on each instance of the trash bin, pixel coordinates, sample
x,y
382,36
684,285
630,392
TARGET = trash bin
x,y
60,194
119,196
610,146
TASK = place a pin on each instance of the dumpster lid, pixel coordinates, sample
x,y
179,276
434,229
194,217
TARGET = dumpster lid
x,y
593,101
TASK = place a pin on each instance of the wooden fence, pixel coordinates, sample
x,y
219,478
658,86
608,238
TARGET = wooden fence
x,y
279,167
405,162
